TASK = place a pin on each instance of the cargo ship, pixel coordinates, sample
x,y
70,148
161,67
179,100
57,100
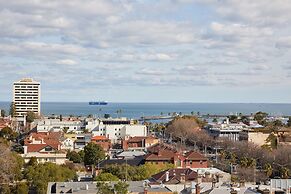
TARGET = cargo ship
x,y
98,103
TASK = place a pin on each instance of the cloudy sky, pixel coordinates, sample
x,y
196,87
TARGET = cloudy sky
x,y
148,50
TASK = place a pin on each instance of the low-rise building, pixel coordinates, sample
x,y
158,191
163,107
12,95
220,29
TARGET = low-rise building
x,y
45,147
174,176
114,129
226,130
164,154
103,141
254,136
195,160
82,140
56,125
139,142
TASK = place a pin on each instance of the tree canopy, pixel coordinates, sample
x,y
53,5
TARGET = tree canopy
x,y
181,127
41,174
93,153
106,177
105,188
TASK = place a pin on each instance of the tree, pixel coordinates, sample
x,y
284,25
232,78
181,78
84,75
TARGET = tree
x,y
93,154
104,188
106,177
41,174
30,116
233,118
215,120
182,127
74,156
12,111
121,187
10,163
260,117
21,188
32,161
268,169
8,133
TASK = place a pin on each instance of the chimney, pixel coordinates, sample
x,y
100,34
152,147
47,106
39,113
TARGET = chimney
x,y
25,149
167,176
197,188
182,178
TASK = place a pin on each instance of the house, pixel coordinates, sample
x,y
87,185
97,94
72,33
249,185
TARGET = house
x,y
82,140
103,141
67,144
174,176
139,142
163,154
45,147
195,160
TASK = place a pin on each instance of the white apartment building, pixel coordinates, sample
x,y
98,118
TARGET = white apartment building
x,y
114,129
26,96
56,125
226,129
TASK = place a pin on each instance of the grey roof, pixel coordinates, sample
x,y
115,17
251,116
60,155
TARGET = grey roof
x,y
80,187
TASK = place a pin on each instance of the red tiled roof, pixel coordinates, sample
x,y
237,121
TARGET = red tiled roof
x,y
192,155
51,139
99,138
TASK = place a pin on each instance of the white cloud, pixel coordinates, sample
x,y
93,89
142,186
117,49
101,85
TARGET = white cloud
x,y
66,62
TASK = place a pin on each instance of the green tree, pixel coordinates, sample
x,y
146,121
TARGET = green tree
x,y
30,116
32,161
260,117
285,172
41,174
268,169
74,156
12,110
93,153
215,120
8,133
104,188
121,187
106,177
21,188
233,118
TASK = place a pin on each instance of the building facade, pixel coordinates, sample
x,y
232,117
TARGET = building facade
x,y
26,97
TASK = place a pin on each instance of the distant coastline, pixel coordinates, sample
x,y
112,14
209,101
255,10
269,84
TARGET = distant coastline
x,y
137,110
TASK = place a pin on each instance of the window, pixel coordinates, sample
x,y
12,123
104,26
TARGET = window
x,y
48,149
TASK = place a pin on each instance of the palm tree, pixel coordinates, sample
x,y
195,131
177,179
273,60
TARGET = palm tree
x,y
268,169
285,172
244,162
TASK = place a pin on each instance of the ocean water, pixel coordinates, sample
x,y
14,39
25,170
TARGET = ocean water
x,y
136,110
